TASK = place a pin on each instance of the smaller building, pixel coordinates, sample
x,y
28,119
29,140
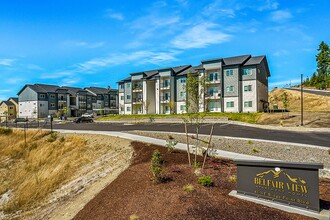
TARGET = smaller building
x,y
106,100
8,109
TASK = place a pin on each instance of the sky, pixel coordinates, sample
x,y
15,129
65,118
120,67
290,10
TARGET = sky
x,y
97,43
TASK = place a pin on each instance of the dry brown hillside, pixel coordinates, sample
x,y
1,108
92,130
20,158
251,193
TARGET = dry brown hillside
x,y
312,102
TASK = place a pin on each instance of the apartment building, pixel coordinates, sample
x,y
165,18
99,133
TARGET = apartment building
x,y
41,100
233,84
106,101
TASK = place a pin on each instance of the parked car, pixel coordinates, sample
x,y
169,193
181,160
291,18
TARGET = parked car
x,y
83,119
88,115
20,120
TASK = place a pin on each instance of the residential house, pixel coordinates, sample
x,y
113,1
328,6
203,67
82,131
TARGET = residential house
x,y
233,84
8,109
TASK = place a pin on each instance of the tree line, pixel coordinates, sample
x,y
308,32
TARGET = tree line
x,y
321,78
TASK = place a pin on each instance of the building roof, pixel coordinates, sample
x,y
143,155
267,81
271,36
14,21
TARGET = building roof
x,y
97,90
14,99
7,103
75,90
191,69
40,88
254,60
238,60
125,80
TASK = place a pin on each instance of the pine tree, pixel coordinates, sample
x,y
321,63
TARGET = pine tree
x,y
323,65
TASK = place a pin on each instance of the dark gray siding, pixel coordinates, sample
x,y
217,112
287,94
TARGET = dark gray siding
x,y
27,95
262,73
52,100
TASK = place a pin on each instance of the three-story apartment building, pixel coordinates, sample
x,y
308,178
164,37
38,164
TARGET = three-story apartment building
x,y
41,100
233,84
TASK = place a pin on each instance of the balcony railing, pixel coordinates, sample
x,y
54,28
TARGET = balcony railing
x,y
165,86
165,98
213,96
137,100
137,88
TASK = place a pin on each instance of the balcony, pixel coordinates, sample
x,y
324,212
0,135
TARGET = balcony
x,y
137,100
165,86
137,89
213,96
213,81
165,99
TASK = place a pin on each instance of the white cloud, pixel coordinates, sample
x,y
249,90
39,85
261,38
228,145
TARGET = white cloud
x,y
84,44
280,15
200,36
139,57
7,62
116,16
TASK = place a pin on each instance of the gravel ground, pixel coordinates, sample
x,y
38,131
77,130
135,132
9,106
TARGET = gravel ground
x,y
273,150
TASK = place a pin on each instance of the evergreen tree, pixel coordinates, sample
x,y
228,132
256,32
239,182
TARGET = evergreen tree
x,y
323,66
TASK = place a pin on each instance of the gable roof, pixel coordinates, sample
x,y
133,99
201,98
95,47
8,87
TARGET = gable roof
x,y
40,88
7,103
13,99
237,60
254,60
192,69
97,90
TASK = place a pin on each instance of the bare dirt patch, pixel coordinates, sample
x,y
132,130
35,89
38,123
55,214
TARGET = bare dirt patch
x,y
51,169
133,192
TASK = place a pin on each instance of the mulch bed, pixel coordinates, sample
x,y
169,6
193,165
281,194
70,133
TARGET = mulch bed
x,y
133,192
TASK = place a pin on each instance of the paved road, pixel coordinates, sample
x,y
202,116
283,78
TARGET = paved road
x,y
224,129
312,91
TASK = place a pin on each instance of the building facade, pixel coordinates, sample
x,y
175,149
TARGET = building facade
x,y
8,109
41,100
233,84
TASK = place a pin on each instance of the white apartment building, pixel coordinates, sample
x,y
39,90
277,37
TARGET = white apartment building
x,y
233,84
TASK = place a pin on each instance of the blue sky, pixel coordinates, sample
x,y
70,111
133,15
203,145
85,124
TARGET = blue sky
x,y
97,43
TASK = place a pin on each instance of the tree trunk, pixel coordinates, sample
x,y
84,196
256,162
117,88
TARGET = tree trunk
x,y
187,141
208,146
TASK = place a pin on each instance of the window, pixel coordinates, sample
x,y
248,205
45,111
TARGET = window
x,y
182,107
122,108
122,97
183,80
52,105
122,86
106,104
128,97
182,94
247,72
211,91
11,107
215,76
247,88
52,96
89,98
166,83
99,97
128,85
229,88
229,72
229,104
128,109
40,105
42,96
211,77
106,97
94,98
89,106
248,104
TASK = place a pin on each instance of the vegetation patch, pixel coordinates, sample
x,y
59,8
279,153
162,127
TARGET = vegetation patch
x,y
188,188
205,181
5,131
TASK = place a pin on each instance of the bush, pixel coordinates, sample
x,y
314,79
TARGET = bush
x,y
250,142
233,179
6,131
53,137
255,150
205,181
188,188
156,166
62,139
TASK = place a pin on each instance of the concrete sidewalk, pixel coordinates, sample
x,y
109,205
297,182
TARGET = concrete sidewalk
x,y
180,146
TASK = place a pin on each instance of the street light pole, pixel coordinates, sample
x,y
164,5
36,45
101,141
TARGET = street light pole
x,y
302,102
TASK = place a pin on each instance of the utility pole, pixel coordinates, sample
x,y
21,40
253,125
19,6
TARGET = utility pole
x,y
302,102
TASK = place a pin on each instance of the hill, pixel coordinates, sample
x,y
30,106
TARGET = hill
x,y
312,102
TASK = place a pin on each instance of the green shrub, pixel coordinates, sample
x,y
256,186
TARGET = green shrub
x,y
188,188
156,166
6,131
205,181
250,142
233,179
62,139
255,150
52,137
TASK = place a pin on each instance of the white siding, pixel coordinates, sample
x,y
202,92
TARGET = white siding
x,y
121,103
128,106
178,107
249,95
232,109
26,109
157,97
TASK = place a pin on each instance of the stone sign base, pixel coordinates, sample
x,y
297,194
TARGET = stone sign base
x,y
323,215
